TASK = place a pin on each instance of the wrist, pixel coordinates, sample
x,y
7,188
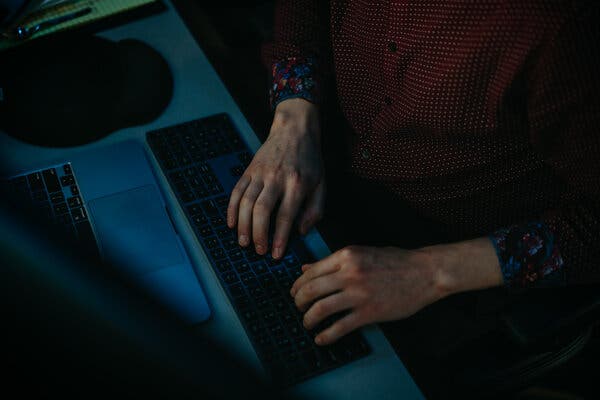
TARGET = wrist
x,y
296,116
463,266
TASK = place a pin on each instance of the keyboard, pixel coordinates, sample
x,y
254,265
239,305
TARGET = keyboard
x,y
52,194
202,160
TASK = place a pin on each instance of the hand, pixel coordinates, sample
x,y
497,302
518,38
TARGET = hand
x,y
372,284
384,284
287,170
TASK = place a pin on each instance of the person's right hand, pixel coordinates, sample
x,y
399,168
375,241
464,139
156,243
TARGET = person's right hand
x,y
287,171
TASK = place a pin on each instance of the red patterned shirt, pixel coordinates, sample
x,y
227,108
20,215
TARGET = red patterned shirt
x,y
483,115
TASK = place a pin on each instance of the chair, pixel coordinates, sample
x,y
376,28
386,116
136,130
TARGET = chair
x,y
543,329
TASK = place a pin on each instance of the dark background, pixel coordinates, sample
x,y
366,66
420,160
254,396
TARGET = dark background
x,y
231,36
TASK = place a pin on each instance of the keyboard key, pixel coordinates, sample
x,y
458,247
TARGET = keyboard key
x,y
176,176
78,214
259,268
61,208
255,291
39,196
230,277
211,242
224,265
201,192
209,178
35,181
57,197
210,208
51,180
64,219
74,201
188,197
267,280
217,253
199,220
248,279
215,188
205,231
242,267
217,221
243,303
236,290
291,262
194,209
238,170
229,244
67,180
236,255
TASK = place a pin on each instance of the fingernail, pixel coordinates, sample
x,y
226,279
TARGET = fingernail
x,y
243,240
293,292
276,252
260,249
319,340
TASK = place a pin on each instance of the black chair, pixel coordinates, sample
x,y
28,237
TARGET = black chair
x,y
539,331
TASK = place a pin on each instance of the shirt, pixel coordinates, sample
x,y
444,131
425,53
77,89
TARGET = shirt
x,y
483,115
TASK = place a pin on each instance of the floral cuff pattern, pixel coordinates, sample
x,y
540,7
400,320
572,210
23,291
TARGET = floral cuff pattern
x,y
293,77
528,253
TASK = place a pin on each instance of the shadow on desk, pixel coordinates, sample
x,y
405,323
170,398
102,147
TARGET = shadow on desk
x,y
72,327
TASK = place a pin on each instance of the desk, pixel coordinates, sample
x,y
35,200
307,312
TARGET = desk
x,y
199,92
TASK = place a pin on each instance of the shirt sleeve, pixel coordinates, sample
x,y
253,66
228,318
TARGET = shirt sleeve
x,y
293,77
299,54
528,255
563,246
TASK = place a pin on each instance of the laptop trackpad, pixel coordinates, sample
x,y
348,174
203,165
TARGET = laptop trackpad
x,y
134,230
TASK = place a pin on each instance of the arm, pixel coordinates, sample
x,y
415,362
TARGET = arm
x,y
562,246
285,177
385,284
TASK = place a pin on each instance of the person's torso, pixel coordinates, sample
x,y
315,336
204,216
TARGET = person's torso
x,y
437,97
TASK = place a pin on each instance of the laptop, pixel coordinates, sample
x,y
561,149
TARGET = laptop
x,y
109,197
108,201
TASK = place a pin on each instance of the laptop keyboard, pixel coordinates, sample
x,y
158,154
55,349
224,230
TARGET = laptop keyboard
x,y
202,160
53,194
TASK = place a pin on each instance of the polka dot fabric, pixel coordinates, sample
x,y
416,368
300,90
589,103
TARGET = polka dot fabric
x,y
481,114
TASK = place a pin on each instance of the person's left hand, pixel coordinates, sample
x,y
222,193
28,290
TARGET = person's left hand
x,y
371,284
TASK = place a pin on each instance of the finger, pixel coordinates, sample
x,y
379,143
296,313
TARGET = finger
x,y
314,208
245,212
339,328
261,215
325,307
326,266
317,289
288,209
234,200
305,267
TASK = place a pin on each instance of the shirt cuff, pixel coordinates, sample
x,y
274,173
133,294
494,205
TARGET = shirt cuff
x,y
292,78
528,255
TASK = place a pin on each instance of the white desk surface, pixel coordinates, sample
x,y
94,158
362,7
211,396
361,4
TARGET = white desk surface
x,y
199,92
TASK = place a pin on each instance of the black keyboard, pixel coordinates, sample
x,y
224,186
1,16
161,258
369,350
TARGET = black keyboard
x,y
202,161
52,194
